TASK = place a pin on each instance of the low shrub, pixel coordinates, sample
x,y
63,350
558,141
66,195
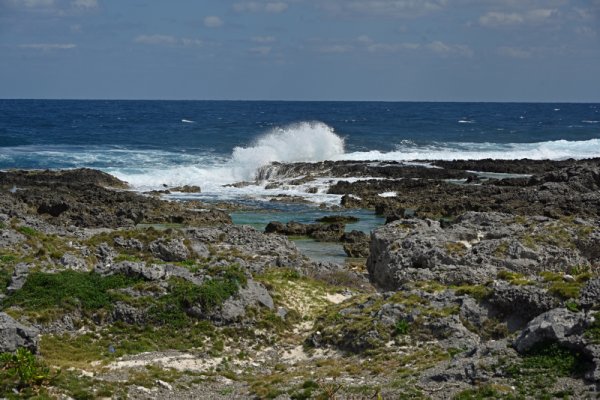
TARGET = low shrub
x,y
68,289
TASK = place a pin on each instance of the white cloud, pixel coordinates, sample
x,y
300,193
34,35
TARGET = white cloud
x,y
263,39
375,47
514,52
261,50
276,8
392,8
335,48
156,39
247,6
535,16
392,47
167,40
32,3
450,49
85,3
213,21
48,46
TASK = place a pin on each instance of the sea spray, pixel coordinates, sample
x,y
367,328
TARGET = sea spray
x,y
302,142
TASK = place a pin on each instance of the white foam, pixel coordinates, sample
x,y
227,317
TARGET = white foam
x,y
303,142
388,194
587,121
552,150
188,121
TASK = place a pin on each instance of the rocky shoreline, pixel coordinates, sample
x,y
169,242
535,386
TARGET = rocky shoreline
x,y
483,283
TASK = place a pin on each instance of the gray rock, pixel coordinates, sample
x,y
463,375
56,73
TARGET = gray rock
x,y
259,250
131,243
19,276
590,294
474,248
9,237
13,335
169,250
73,262
554,325
127,313
566,328
105,254
234,308
472,312
520,303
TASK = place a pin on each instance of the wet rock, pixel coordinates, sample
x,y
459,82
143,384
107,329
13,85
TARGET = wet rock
x,y
323,232
14,335
356,244
343,219
186,189
169,250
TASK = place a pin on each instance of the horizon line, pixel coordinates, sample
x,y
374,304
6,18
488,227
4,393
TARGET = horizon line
x,y
311,101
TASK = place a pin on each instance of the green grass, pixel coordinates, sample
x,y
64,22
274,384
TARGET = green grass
x,y
68,289
565,290
478,292
28,231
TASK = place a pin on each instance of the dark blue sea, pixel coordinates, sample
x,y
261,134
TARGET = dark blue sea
x,y
212,143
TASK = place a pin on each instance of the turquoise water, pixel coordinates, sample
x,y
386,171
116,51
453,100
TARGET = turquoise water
x,y
318,251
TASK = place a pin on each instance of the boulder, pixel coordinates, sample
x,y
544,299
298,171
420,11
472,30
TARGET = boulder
x,y
169,250
14,335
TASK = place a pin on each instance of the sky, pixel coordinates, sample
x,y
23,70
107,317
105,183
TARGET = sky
x,y
382,50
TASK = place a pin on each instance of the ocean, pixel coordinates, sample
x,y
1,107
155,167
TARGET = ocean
x,y
213,143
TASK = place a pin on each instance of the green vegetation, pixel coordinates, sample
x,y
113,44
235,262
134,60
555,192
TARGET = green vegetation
x,y
171,308
402,327
22,374
28,231
68,289
478,292
592,333
489,391
514,278
540,367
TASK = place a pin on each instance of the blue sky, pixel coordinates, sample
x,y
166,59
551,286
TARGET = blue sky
x,y
432,50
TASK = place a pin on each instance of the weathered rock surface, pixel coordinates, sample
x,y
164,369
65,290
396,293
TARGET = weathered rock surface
x,y
14,335
255,250
474,248
81,198
170,250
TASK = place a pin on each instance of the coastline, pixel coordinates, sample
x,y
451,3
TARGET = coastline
x,y
474,285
